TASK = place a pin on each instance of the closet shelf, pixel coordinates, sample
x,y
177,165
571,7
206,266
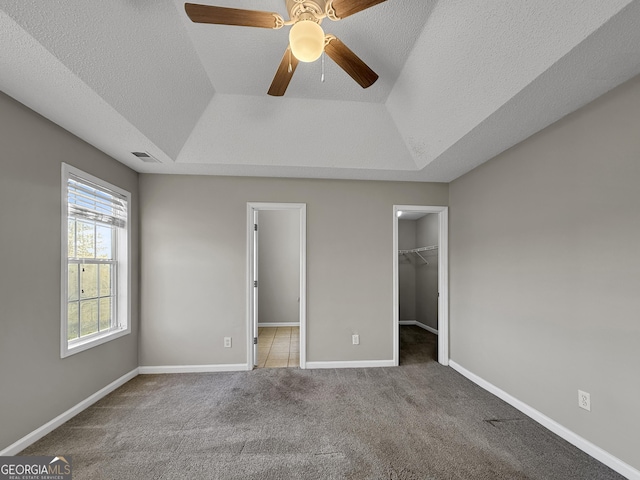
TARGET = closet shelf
x,y
418,250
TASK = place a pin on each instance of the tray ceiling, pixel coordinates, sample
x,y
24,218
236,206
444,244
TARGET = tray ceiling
x,y
460,81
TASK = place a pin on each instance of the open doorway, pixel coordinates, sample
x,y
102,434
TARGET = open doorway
x,y
420,271
276,259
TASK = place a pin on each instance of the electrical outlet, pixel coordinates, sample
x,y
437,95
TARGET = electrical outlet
x,y
355,339
227,342
584,400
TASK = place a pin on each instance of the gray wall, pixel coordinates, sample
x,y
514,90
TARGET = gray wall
x,y
427,234
545,271
279,266
407,271
37,385
193,266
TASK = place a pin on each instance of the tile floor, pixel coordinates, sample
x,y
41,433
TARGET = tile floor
x,y
278,347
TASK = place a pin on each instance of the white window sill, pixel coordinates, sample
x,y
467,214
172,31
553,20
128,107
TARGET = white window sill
x,y
94,341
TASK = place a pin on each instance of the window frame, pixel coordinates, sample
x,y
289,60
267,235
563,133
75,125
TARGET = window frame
x,y
122,300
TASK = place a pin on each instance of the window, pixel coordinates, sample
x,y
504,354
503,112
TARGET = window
x,y
95,261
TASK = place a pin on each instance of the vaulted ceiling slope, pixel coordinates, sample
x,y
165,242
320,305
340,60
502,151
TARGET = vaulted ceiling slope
x,y
460,81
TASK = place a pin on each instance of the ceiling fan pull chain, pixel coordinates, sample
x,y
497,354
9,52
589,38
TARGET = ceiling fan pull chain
x,y
322,76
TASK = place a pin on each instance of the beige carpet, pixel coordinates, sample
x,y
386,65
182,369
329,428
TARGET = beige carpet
x,y
417,421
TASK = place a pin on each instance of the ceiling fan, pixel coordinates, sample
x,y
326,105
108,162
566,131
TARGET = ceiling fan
x,y
307,40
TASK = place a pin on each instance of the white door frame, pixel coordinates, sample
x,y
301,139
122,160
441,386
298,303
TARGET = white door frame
x,y
253,207
443,281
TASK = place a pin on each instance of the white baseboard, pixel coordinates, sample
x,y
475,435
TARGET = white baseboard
x,y
231,367
48,427
351,364
586,446
418,324
279,324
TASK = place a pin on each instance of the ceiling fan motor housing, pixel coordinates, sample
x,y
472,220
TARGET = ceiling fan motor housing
x,y
298,8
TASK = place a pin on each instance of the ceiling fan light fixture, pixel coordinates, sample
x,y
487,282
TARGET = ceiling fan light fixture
x,y
306,39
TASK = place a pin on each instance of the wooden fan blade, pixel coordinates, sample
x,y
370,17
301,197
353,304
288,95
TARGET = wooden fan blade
x,y
344,8
283,75
231,16
350,62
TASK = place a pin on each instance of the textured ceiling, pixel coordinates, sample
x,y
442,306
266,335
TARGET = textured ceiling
x,y
460,81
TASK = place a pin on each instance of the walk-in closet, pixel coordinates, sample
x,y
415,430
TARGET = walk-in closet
x,y
418,236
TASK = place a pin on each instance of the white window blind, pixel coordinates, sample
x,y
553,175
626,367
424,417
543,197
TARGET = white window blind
x,y
95,203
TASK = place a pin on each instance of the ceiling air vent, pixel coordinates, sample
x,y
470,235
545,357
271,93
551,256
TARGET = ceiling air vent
x,y
145,157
